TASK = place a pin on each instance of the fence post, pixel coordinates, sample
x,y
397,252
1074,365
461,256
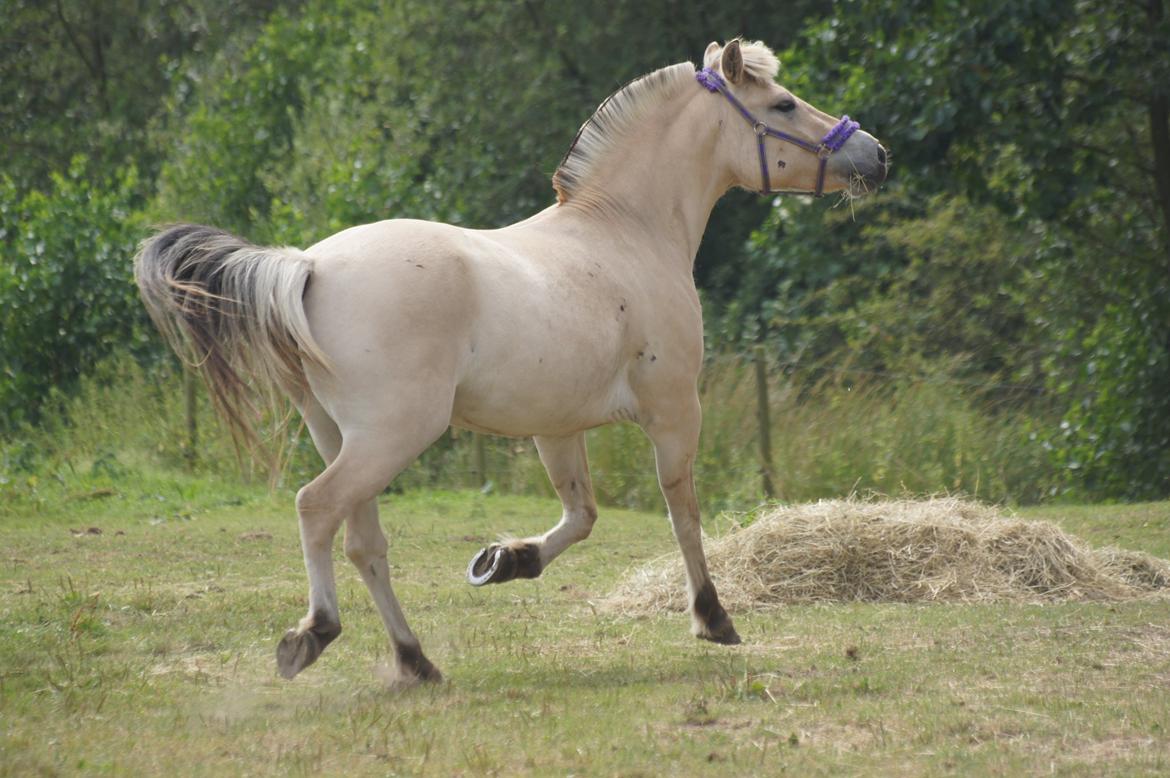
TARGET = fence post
x,y
191,453
480,460
763,419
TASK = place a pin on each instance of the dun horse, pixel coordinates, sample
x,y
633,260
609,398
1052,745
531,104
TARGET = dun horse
x,y
586,313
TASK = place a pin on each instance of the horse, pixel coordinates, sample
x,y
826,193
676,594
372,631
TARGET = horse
x,y
584,314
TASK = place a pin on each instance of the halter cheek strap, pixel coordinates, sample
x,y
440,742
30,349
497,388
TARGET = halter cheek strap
x,y
833,141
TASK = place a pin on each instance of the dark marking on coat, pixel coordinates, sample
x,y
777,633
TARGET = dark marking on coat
x,y
411,660
653,358
714,617
325,627
526,558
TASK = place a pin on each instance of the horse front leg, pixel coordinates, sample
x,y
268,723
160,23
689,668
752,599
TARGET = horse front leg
x,y
567,465
676,441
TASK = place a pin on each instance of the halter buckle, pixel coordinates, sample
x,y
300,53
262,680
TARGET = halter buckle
x,y
823,151
760,128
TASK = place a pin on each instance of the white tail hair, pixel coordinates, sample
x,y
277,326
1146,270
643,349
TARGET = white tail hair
x,y
233,310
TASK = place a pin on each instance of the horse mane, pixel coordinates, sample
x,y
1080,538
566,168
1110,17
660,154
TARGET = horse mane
x,y
613,120
628,106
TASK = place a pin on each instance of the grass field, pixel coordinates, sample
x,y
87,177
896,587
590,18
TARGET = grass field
x,y
147,648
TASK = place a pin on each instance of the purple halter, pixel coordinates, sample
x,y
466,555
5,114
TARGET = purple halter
x,y
833,141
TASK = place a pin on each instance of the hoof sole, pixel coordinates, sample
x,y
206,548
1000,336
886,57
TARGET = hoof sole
x,y
297,650
499,563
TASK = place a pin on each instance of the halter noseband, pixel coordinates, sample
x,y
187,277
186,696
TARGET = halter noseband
x,y
833,141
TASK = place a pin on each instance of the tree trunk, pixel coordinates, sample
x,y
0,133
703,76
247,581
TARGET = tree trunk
x,y
1160,139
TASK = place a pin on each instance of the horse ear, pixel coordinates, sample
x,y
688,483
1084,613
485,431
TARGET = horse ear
x,y
710,54
732,62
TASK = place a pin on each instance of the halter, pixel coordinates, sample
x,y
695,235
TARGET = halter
x,y
833,141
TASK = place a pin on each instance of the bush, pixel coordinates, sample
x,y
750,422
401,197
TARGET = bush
x,y
67,295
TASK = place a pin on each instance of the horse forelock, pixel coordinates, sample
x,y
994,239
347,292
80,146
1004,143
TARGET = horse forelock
x,y
759,61
613,120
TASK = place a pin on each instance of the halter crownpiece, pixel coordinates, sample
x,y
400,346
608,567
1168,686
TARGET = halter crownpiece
x,y
832,142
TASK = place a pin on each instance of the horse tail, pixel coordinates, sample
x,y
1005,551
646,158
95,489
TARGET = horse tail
x,y
236,312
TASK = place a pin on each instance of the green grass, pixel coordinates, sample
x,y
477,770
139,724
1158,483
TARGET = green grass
x,y
148,649
828,439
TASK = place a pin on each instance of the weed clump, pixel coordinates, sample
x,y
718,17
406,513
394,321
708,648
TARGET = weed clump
x,y
932,550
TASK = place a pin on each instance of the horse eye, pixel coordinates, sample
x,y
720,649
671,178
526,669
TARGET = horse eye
x,y
785,105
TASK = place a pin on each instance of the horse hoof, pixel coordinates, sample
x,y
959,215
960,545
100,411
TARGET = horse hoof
x,y
299,649
723,634
498,563
494,564
416,668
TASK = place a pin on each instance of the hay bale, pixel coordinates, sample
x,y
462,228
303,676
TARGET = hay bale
x,y
934,550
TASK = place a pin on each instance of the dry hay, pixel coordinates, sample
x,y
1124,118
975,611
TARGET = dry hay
x,y
934,550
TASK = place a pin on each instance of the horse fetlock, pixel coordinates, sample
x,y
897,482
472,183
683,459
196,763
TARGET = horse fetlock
x,y
711,621
722,631
499,563
300,647
412,664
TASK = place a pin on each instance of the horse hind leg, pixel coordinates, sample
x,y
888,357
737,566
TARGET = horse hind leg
x,y
566,461
365,545
360,466
301,646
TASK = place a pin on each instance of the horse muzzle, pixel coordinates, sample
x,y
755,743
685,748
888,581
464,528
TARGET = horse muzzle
x,y
862,162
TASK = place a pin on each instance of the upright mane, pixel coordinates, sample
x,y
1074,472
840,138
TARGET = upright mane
x,y
613,120
627,107
759,61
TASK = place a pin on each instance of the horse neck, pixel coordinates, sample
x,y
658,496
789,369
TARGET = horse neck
x,y
658,187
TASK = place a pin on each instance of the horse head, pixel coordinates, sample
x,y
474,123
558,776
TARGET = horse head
x,y
773,141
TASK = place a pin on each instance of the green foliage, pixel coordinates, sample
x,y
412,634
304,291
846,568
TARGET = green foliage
x,y
1019,255
66,296
91,77
851,432
1114,439
1024,107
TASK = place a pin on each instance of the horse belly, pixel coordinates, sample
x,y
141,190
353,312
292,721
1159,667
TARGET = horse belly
x,y
541,384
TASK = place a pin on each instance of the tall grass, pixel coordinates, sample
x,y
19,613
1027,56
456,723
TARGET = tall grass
x,y
829,439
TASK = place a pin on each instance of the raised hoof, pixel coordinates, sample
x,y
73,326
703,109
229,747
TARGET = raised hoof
x,y
498,563
297,650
